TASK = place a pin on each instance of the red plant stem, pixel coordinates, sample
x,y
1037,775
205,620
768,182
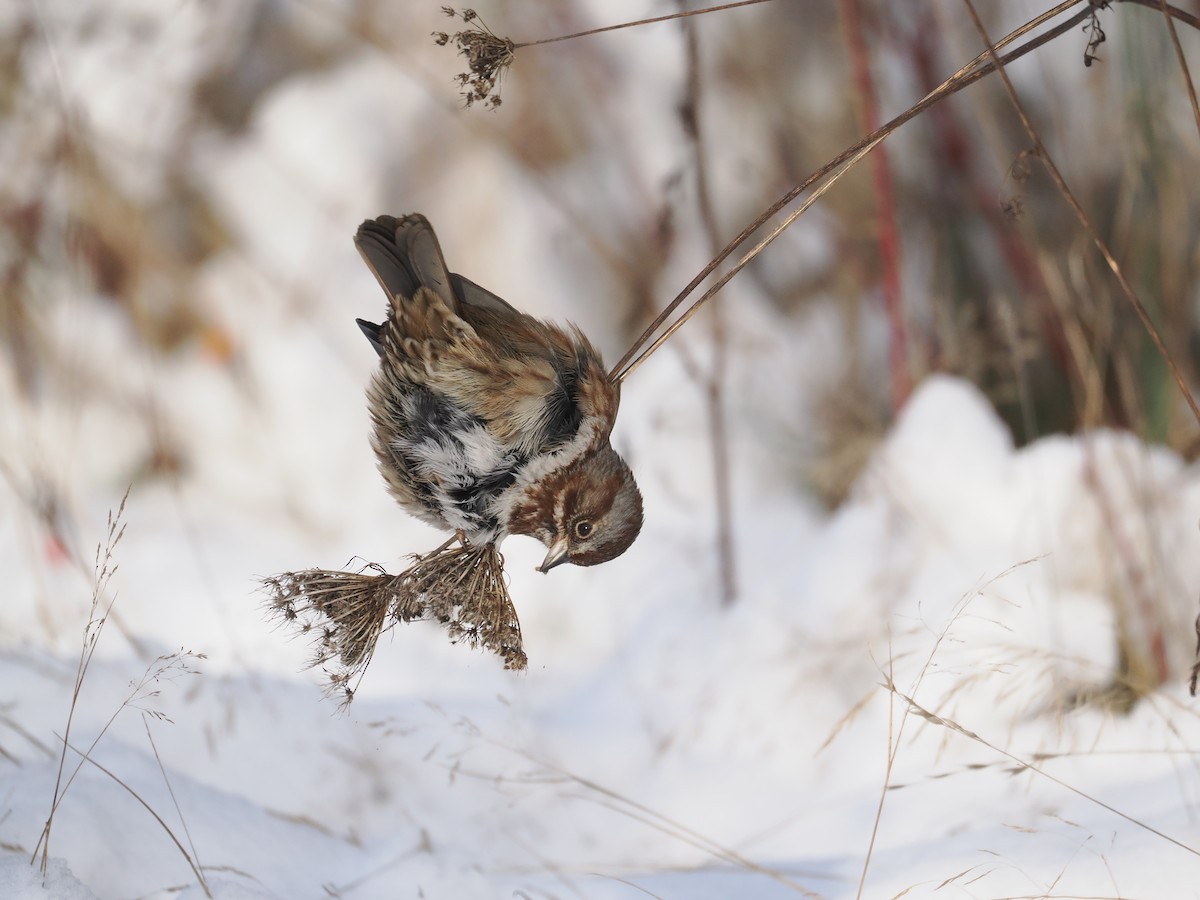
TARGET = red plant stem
x,y
885,208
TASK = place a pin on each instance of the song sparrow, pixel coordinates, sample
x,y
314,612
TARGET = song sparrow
x,y
487,421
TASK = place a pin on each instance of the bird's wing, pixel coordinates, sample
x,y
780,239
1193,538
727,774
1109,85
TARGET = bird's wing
x,y
472,295
523,380
522,377
537,403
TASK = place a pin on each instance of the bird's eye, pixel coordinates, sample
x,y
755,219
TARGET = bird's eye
x,y
583,529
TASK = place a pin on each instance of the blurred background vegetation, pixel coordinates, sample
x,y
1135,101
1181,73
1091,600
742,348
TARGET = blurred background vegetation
x,y
112,113
996,281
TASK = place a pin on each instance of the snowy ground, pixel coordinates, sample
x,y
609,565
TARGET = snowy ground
x,y
658,744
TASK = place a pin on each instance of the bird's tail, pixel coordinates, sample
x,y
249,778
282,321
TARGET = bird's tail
x,y
404,255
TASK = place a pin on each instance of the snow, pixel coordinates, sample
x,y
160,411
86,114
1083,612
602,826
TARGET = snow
x,y
658,744
20,881
656,740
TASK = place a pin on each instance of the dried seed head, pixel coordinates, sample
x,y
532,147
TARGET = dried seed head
x,y
488,56
348,612
461,587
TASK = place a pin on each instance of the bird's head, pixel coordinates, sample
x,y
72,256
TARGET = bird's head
x,y
586,513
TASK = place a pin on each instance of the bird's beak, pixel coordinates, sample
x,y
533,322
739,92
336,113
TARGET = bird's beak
x,y
556,557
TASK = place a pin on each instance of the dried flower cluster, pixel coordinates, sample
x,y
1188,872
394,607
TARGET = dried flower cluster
x,y
462,587
488,55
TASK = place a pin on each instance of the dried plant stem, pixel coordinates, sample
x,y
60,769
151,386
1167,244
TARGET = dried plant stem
x,y
978,68
1018,256
929,716
193,858
489,55
85,757
896,732
1082,217
639,812
1183,66
650,21
105,568
162,666
885,208
975,70
159,668
712,381
1174,12
1138,583
893,749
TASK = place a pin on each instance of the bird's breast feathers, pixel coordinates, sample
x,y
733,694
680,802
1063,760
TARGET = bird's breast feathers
x,y
472,477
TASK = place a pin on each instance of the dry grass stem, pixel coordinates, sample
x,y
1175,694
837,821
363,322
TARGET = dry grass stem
x,y
981,66
978,68
461,587
920,711
105,569
546,772
650,21
1084,221
712,382
896,729
1183,65
191,860
167,667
